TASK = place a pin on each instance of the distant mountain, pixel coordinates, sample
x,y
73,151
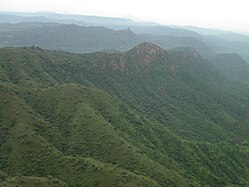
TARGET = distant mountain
x,y
218,41
203,31
58,18
164,30
168,42
221,45
222,34
71,38
6,18
83,20
222,41
74,38
234,37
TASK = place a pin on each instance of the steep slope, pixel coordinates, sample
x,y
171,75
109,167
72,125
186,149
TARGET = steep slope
x,y
74,132
32,145
179,83
232,66
173,83
83,134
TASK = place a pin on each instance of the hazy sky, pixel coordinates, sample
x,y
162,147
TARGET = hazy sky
x,y
223,14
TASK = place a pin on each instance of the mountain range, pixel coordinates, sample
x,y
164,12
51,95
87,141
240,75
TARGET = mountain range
x,y
74,38
76,32
97,101
145,117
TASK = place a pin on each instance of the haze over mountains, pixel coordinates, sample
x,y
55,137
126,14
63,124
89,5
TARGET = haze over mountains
x,y
147,105
77,32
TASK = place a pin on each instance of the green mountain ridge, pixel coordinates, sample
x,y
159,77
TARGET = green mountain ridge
x,y
146,117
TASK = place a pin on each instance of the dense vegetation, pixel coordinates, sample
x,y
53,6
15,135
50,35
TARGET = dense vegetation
x,y
145,117
232,66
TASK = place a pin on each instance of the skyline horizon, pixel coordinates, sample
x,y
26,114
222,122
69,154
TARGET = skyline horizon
x,y
222,15
130,17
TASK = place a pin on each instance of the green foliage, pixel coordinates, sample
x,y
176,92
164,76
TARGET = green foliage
x,y
232,66
111,120
33,182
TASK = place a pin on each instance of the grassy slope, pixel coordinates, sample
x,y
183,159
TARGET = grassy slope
x,y
31,152
33,182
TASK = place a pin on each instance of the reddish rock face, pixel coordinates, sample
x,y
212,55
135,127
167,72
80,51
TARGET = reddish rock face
x,y
148,57
119,64
144,54
147,52
148,48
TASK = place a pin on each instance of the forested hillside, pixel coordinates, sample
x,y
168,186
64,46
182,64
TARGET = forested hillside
x,y
144,117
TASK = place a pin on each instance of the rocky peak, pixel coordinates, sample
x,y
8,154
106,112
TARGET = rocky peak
x,y
147,48
142,58
147,52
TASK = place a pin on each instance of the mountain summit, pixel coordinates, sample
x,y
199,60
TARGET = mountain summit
x,y
147,48
145,55
148,57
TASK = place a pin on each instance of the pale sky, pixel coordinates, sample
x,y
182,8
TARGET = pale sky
x,y
222,14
